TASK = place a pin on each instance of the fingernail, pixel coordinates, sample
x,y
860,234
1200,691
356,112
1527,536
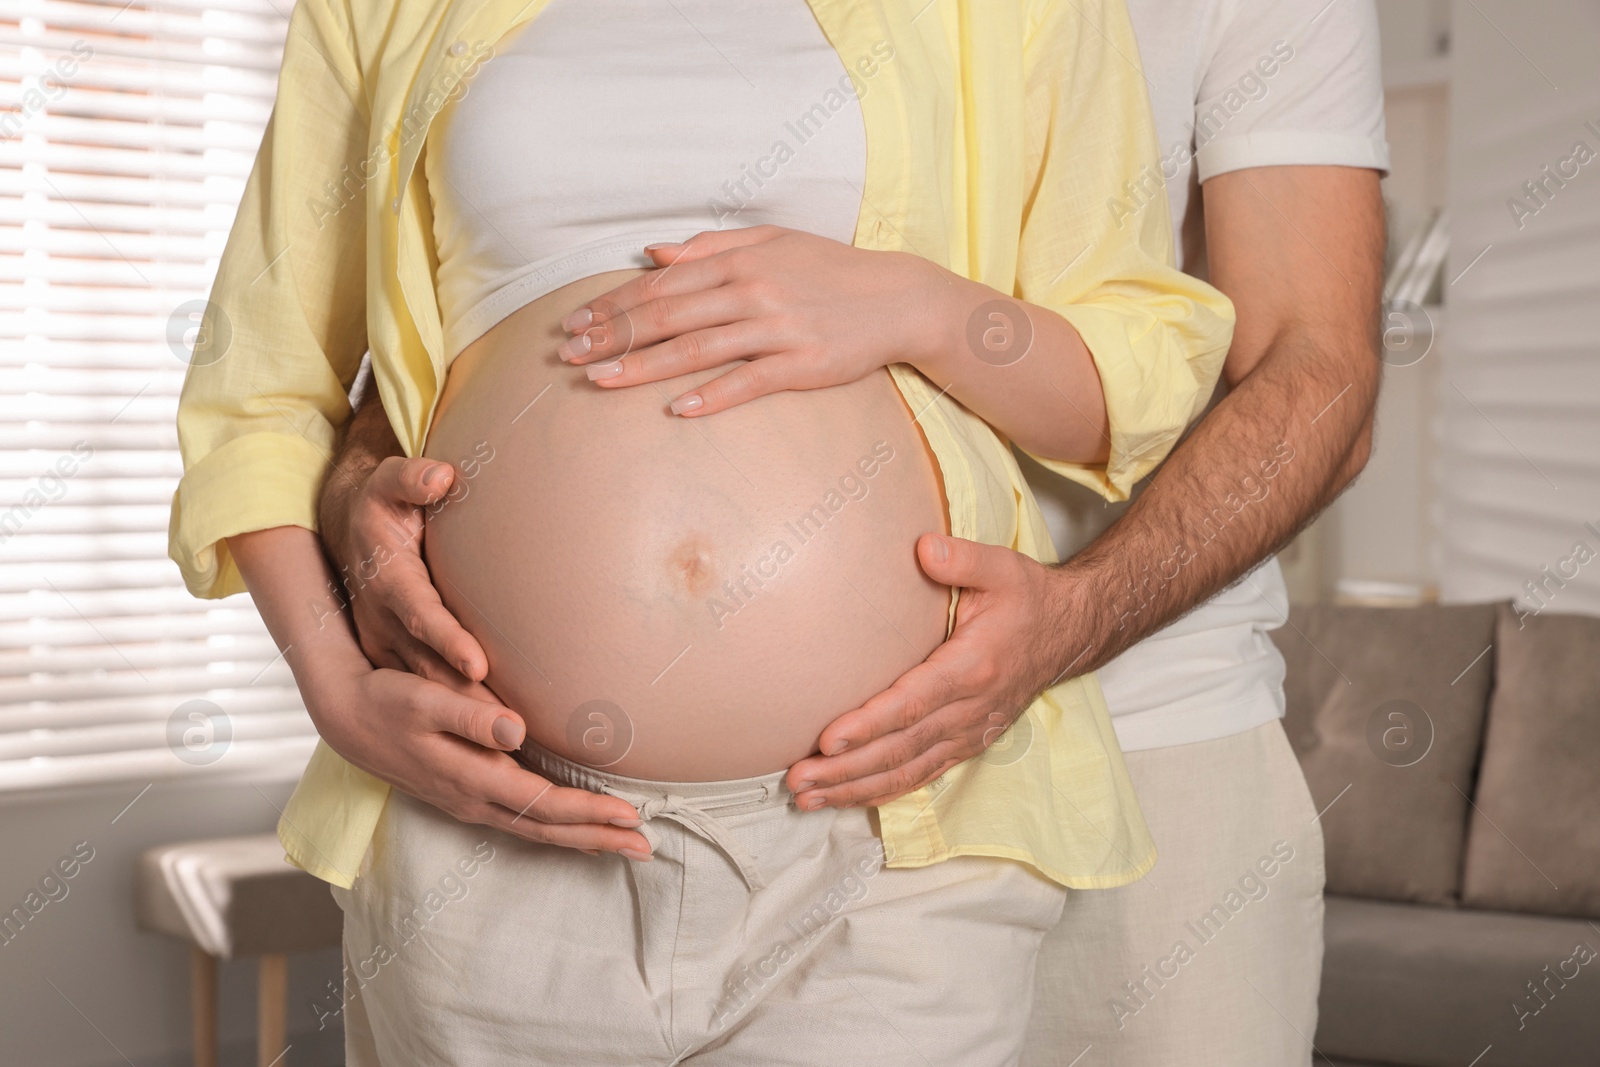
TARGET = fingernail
x,y
686,403
573,347
635,855
505,733
834,747
434,476
941,549
578,320
812,803
803,786
590,851
656,248
601,371
627,824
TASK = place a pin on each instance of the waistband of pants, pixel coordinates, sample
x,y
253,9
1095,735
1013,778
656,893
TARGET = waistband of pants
x,y
696,806
729,796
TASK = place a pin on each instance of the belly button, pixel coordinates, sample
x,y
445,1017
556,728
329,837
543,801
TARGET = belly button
x,y
693,567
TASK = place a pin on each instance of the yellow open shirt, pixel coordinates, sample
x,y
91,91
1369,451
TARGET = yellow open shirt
x,y
997,132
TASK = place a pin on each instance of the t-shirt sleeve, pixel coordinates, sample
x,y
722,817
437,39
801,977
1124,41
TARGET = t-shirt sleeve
x,y
1292,82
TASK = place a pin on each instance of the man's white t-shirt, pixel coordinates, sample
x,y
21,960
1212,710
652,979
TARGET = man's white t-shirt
x,y
1234,84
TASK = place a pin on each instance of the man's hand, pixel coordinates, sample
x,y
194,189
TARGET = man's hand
x,y
1299,250
372,515
1004,651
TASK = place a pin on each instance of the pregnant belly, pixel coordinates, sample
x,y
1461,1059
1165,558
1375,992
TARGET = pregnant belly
x,y
669,598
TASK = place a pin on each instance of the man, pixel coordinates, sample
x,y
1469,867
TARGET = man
x,y
1276,106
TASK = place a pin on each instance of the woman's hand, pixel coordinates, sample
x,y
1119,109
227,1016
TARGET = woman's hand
x,y
1006,648
429,727
442,745
805,311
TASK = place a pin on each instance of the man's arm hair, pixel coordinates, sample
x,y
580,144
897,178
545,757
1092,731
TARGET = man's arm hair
x,y
1300,252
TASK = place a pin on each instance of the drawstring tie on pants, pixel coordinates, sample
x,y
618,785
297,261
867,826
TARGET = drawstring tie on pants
x,y
701,822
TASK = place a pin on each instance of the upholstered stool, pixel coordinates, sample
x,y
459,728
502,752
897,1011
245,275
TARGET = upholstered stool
x,y
236,896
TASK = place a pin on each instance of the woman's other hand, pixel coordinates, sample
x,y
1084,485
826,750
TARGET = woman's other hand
x,y
807,312
447,745
1004,651
428,726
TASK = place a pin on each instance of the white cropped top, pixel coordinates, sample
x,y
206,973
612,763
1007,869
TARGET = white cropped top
x,y
602,126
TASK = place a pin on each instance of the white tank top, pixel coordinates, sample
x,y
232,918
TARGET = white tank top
x,y
602,126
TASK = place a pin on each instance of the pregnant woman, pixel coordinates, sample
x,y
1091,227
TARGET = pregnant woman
x,y
713,307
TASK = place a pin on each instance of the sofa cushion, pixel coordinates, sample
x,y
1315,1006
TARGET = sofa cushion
x,y
1397,699
1434,987
1534,838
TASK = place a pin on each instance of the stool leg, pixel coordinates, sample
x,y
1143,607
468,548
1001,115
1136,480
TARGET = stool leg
x,y
272,998
203,1003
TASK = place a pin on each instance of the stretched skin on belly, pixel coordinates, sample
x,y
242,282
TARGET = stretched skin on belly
x,y
678,599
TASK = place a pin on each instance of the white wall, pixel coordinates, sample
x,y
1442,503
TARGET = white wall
x,y
123,993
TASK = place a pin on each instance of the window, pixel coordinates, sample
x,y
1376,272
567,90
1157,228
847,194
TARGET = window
x,y
125,140
1517,474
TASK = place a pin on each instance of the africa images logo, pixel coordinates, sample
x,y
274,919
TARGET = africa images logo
x,y
199,732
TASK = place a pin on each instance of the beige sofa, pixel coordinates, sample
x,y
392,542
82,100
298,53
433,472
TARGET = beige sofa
x,y
1456,751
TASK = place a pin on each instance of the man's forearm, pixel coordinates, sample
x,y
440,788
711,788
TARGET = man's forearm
x,y
1300,252
1262,464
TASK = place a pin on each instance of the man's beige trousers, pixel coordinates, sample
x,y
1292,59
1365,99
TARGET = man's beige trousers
x,y
1214,959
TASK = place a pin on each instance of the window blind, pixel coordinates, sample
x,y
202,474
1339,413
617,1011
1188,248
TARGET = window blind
x,y
126,134
1518,473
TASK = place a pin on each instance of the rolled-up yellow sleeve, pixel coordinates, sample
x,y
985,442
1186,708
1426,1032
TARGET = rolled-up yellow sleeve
x,y
1096,243
282,336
